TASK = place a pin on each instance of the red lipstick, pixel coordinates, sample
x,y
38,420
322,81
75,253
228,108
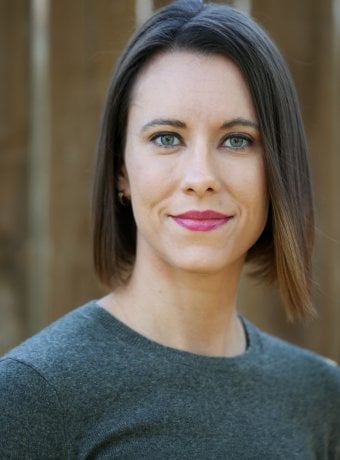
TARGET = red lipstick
x,y
201,221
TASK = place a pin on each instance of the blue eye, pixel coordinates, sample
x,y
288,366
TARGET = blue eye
x,y
166,140
237,141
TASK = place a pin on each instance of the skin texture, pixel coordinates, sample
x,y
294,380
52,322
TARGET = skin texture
x,y
192,145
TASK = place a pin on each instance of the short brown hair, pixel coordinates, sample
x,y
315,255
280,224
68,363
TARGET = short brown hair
x,y
283,251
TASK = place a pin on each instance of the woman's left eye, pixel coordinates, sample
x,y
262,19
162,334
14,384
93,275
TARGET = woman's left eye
x,y
237,141
166,140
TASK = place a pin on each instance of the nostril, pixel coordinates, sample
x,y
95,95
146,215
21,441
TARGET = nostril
x,y
200,190
200,178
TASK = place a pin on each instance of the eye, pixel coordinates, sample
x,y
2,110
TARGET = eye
x,y
237,141
166,140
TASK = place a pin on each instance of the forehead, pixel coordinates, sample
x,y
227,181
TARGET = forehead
x,y
187,81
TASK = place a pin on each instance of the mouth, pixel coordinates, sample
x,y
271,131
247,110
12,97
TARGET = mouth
x,y
201,221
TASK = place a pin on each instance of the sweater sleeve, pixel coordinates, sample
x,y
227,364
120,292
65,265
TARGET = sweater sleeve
x,y
31,416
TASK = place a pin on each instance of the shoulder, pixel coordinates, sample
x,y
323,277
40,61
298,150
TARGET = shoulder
x,y
64,351
31,415
274,347
79,350
300,370
296,357
302,386
45,381
62,337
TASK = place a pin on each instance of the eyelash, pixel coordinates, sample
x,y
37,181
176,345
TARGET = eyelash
x,y
156,139
169,134
247,140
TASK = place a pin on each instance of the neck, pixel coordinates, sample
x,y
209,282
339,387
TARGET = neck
x,y
198,315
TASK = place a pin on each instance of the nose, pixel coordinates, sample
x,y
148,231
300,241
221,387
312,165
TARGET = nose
x,y
200,173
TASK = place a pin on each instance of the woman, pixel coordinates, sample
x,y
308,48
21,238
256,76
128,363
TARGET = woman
x,y
201,168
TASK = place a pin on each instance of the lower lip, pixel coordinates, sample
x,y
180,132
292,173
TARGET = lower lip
x,y
200,225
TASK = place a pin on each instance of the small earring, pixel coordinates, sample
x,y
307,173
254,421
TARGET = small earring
x,y
123,200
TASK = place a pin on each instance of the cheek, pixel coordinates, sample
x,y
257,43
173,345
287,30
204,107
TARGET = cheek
x,y
259,194
141,176
252,187
150,178
261,185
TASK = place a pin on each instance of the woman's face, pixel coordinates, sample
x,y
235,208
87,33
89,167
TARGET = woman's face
x,y
194,165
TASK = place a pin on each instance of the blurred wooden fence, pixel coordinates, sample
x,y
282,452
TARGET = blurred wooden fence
x,y
56,57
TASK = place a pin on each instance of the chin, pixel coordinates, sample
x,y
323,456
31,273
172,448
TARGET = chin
x,y
208,265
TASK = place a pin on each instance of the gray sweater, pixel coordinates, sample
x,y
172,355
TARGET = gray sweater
x,y
90,387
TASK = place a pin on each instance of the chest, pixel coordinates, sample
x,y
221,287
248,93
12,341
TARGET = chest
x,y
195,418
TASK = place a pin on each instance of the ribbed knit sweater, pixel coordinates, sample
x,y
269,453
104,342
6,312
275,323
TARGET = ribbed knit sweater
x,y
89,387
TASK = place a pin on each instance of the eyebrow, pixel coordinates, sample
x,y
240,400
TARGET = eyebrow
x,y
240,121
180,124
164,122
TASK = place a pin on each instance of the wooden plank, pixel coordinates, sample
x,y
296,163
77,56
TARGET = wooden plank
x,y
86,38
335,184
39,158
304,32
14,123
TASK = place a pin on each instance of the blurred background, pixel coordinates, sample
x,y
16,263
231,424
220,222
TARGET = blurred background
x,y
56,58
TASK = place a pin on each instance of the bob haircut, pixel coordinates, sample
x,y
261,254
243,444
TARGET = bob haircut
x,y
282,254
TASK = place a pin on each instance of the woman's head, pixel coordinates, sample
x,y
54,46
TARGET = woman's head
x,y
283,251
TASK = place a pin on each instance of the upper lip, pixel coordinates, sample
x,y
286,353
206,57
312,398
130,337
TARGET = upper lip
x,y
202,215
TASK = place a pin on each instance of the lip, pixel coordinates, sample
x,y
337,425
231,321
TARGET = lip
x,y
201,221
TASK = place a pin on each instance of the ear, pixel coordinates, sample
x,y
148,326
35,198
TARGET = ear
x,y
123,182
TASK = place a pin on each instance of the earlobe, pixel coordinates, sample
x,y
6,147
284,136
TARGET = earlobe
x,y
123,182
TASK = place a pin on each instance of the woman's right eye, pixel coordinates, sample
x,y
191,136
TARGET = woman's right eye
x,y
166,140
